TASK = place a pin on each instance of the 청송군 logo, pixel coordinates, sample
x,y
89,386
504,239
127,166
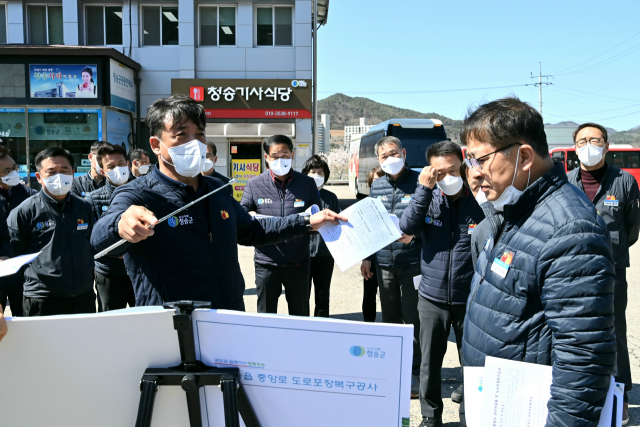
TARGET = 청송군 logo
x,y
357,351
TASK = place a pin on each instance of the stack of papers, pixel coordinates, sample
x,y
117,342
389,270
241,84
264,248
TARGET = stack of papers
x,y
12,265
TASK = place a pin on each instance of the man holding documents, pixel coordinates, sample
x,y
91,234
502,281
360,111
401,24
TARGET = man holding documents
x,y
60,280
194,254
445,217
399,262
281,191
543,289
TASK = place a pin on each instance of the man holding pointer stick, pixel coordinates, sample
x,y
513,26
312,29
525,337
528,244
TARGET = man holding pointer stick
x,y
194,254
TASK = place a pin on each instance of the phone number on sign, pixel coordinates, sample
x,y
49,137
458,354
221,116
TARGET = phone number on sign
x,y
277,113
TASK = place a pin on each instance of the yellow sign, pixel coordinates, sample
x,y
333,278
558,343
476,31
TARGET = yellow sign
x,y
243,170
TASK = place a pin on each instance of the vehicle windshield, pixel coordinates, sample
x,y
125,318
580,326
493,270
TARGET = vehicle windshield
x,y
416,142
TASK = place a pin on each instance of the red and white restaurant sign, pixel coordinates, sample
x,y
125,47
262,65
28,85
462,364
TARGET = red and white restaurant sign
x,y
257,113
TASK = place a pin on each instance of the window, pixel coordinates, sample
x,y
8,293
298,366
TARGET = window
x,y
3,23
45,24
624,159
104,25
274,26
217,26
159,26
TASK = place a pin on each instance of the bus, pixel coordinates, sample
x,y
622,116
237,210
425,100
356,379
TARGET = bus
x,y
416,136
621,156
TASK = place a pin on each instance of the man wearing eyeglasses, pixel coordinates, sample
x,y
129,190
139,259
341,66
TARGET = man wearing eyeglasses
x,y
615,195
12,193
543,287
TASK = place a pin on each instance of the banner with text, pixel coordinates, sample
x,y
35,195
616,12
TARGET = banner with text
x,y
243,170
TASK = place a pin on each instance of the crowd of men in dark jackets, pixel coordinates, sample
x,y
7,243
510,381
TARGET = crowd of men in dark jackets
x,y
523,260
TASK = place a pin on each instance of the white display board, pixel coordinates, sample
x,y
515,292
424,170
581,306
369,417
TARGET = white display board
x,y
85,370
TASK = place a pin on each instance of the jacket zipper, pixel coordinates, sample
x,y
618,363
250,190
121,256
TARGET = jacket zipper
x,y
451,244
495,243
393,210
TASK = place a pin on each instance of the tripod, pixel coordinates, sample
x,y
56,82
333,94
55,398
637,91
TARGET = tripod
x,y
192,374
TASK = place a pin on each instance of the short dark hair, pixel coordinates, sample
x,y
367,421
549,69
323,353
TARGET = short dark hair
x,y
276,139
377,171
602,129
4,151
314,162
50,152
387,140
138,153
444,148
107,149
177,108
504,122
95,146
213,147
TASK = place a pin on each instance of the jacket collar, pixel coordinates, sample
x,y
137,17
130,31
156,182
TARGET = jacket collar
x,y
53,202
548,183
604,184
172,183
403,176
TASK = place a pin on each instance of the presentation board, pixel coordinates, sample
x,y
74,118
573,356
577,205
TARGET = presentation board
x,y
85,369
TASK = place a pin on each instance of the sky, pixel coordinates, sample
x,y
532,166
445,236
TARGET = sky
x,y
424,55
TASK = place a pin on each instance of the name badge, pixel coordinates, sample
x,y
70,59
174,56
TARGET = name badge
x,y
471,228
299,203
406,199
611,201
501,265
83,226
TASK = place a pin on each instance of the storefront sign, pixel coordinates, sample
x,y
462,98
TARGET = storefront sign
x,y
63,81
44,127
123,92
119,129
243,170
250,98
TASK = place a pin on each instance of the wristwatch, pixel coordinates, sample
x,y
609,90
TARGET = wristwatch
x,y
307,222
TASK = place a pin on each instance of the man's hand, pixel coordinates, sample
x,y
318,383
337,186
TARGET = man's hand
x,y
3,324
405,238
428,177
325,216
365,269
135,223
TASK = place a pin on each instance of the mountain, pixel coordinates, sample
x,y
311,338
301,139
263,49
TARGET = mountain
x,y
346,111
631,136
610,131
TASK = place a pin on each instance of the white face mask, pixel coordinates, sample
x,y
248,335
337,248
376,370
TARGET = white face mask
x,y
280,167
143,169
58,184
118,176
590,155
12,179
95,165
481,197
187,158
319,179
393,165
450,185
511,193
207,166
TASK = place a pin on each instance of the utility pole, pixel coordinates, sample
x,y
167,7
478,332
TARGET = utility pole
x,y
540,83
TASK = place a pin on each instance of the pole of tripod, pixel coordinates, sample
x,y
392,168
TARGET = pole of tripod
x,y
230,401
148,388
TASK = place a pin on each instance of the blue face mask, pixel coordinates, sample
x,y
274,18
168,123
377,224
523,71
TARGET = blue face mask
x,y
510,194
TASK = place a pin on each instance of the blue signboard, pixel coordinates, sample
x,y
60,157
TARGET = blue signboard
x,y
56,131
119,129
63,81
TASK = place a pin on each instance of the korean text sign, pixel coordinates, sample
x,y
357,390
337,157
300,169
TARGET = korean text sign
x,y
63,81
243,170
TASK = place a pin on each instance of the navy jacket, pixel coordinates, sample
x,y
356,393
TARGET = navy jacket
x,y
617,202
446,228
15,195
490,225
554,304
61,231
100,201
396,197
85,184
264,196
193,255
317,246
222,178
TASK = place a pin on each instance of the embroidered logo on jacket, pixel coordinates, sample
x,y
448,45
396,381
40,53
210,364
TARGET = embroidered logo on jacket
x,y
224,214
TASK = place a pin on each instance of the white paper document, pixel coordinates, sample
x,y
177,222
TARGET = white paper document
x,y
473,384
515,394
12,265
370,228
416,281
327,372
313,209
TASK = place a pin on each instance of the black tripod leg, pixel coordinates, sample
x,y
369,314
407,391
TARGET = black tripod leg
x,y
148,388
193,405
230,398
246,410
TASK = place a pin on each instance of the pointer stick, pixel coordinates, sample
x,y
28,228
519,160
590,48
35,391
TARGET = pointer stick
x,y
164,218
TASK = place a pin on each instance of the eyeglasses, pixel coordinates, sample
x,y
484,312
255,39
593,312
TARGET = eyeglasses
x,y
597,142
479,162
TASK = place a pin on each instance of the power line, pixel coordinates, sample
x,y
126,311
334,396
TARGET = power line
x,y
599,90
423,91
597,56
540,83
605,62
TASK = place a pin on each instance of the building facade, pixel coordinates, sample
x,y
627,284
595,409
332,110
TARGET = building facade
x,y
361,129
172,47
